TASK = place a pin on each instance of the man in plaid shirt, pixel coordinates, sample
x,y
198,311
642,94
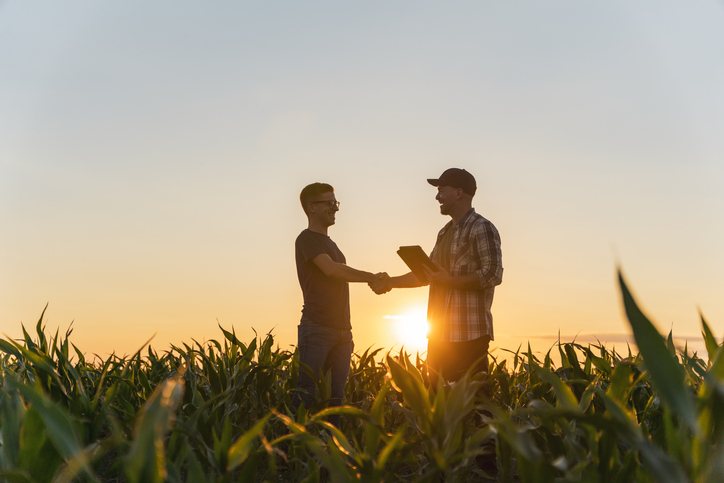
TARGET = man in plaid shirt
x,y
469,266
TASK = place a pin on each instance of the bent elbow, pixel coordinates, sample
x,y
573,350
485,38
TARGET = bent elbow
x,y
498,279
491,279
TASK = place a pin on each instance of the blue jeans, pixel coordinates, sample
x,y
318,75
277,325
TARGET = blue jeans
x,y
323,349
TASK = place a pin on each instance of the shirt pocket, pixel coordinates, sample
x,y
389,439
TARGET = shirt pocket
x,y
463,255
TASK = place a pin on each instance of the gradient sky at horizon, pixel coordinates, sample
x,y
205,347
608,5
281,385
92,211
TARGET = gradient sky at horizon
x,y
151,157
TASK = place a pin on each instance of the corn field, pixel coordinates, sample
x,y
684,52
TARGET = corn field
x,y
221,412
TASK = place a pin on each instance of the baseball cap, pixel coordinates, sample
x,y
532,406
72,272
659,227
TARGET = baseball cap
x,y
457,178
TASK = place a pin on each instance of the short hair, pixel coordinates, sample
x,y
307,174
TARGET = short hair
x,y
312,190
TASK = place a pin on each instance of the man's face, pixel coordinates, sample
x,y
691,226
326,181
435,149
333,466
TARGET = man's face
x,y
324,207
447,196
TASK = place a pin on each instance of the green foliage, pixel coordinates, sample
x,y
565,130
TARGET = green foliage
x,y
221,412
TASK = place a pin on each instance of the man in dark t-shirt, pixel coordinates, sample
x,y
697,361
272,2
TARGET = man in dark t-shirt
x,y
325,332
326,300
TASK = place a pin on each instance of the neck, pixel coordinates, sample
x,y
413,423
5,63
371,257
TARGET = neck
x,y
459,211
315,226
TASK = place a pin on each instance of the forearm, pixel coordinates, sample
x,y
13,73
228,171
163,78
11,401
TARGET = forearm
x,y
473,281
470,281
441,277
345,273
340,271
408,280
478,280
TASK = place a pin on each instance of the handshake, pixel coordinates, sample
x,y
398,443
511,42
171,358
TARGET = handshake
x,y
381,284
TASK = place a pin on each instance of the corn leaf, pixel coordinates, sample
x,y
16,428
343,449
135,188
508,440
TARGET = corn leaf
x,y
712,347
667,375
241,448
146,461
59,428
564,396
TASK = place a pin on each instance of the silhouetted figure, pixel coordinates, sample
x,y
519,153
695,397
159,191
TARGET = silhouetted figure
x,y
325,332
469,261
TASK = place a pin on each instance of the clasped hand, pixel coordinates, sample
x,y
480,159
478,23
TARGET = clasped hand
x,y
381,284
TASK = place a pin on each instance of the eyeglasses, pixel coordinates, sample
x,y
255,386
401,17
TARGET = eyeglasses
x,y
333,204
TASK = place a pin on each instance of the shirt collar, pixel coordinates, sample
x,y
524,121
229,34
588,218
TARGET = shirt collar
x,y
462,221
466,217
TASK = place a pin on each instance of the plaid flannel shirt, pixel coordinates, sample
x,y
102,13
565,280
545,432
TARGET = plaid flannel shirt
x,y
457,315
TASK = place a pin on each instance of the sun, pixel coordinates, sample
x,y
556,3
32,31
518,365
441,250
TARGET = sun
x,y
410,328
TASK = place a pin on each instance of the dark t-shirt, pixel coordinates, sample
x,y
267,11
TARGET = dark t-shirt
x,y
326,301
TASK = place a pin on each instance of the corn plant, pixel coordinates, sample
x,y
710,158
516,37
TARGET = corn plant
x,y
221,411
651,417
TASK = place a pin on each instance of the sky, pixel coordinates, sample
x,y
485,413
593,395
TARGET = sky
x,y
152,155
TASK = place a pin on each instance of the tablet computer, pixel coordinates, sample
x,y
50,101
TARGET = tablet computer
x,y
415,258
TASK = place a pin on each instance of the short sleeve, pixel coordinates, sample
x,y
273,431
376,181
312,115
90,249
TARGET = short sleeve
x,y
309,246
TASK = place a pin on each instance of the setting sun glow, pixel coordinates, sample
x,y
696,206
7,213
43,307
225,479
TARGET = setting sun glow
x,y
411,328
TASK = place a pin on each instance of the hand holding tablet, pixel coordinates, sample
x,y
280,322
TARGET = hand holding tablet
x,y
415,258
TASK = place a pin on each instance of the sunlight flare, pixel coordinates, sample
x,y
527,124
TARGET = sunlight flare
x,y
411,328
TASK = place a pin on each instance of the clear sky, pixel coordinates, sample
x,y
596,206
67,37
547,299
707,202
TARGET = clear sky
x,y
152,154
